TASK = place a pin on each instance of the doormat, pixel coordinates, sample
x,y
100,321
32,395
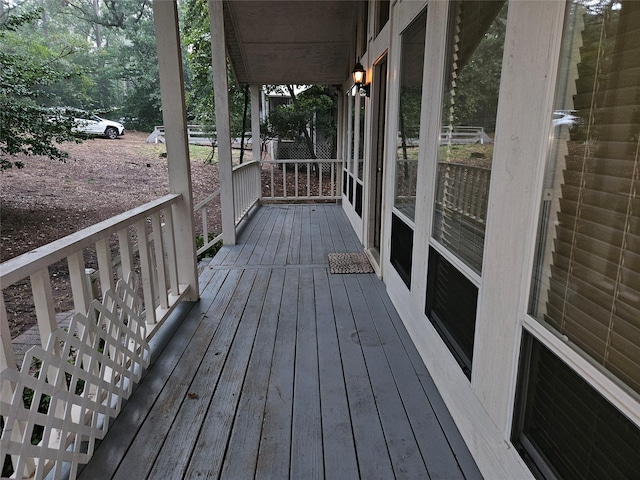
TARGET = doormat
x,y
349,263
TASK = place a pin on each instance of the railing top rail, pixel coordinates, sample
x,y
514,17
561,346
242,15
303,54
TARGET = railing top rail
x,y
463,127
303,160
206,200
463,165
246,165
31,262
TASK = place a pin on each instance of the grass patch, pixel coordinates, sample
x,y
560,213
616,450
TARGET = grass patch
x,y
198,153
210,253
460,153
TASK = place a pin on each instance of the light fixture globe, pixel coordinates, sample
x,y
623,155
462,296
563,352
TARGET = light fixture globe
x,y
359,74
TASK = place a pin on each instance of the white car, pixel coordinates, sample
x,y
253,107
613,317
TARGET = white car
x,y
94,125
564,117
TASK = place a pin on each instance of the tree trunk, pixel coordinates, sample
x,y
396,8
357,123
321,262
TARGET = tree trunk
x,y
244,121
43,17
97,28
305,133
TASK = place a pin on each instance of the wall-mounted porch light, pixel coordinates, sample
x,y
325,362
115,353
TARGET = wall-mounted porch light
x,y
360,77
359,74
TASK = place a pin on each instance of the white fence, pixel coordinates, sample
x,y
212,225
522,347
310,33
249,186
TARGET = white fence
x,y
196,134
301,179
460,135
50,420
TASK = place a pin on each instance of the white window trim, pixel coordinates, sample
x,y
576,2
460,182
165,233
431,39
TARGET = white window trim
x,y
605,383
462,267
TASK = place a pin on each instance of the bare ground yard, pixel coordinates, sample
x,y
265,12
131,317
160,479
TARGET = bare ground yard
x,y
47,200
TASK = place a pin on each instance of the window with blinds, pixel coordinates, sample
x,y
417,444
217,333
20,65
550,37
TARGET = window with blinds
x,y
469,109
473,68
586,284
565,429
587,277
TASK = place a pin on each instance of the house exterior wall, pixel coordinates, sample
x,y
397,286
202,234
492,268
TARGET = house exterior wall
x,y
482,405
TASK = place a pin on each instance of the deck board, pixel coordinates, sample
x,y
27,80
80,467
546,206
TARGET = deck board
x,y
275,445
306,427
371,447
401,443
241,458
283,370
340,458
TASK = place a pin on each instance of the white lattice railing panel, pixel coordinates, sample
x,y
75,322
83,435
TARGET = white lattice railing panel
x,y
64,395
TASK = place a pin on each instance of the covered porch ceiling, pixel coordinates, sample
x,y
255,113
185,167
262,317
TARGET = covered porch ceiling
x,y
291,42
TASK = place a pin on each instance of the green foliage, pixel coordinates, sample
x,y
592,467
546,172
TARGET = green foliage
x,y
86,54
28,70
477,86
196,37
211,252
314,109
410,110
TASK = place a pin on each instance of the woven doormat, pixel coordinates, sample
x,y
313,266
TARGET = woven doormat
x,y
349,263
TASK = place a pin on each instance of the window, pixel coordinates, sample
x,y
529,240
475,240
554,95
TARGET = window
x,y
587,278
359,168
382,14
408,146
564,428
586,284
401,248
354,165
347,186
411,65
470,101
469,108
451,306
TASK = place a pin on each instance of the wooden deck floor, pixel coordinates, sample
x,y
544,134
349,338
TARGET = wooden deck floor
x,y
283,370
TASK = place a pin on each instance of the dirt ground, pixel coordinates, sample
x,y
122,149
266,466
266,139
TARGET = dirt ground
x,y
47,200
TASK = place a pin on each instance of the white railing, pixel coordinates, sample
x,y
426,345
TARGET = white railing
x,y
246,188
461,135
463,189
301,179
51,420
196,134
204,209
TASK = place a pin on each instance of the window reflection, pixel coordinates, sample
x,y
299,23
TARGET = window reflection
x,y
587,279
469,108
411,68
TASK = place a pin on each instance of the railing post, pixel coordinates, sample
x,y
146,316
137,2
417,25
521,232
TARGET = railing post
x,y
256,145
175,123
223,128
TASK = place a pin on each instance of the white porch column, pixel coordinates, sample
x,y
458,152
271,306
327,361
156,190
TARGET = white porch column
x,y
223,128
340,149
174,116
255,131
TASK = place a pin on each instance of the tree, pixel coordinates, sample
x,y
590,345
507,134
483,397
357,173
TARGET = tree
x,y
313,111
478,82
196,35
26,70
122,58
